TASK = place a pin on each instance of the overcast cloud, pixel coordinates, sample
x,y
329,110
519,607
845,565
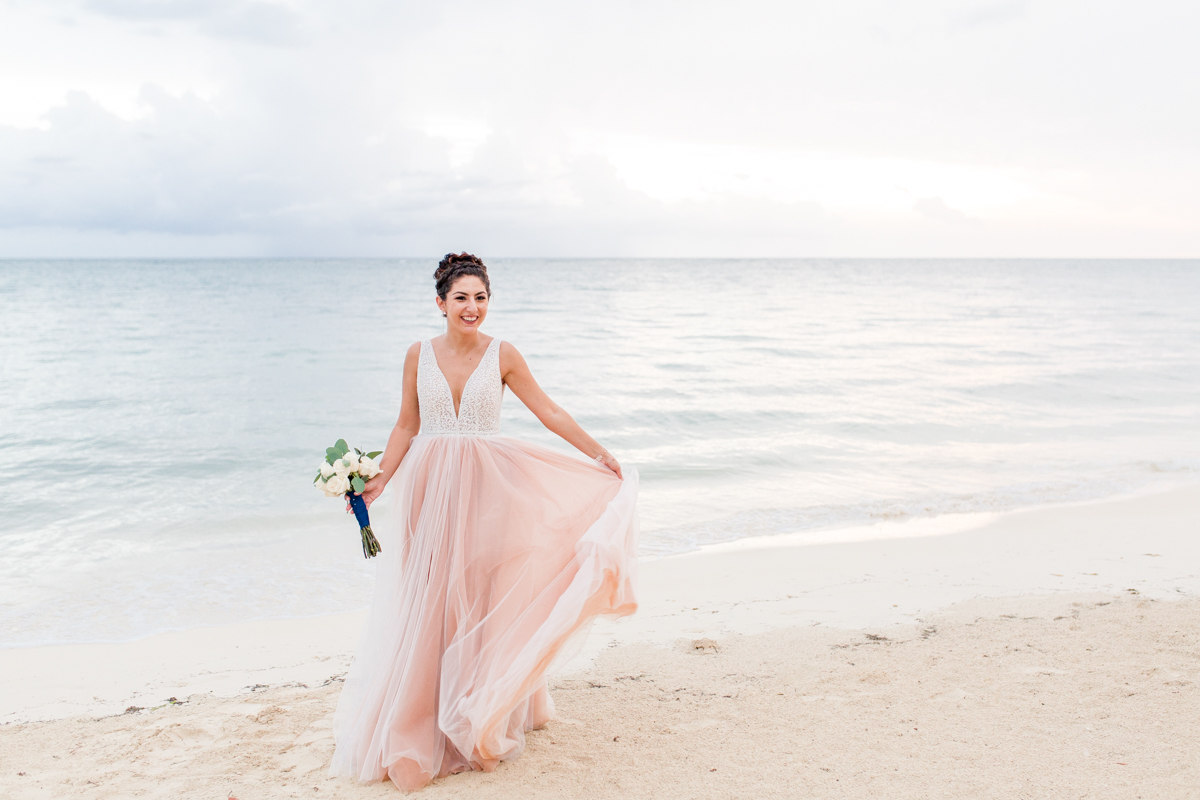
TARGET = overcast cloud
x,y
216,127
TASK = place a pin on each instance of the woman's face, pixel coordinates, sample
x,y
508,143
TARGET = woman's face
x,y
465,305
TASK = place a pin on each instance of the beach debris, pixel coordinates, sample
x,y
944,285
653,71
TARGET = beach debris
x,y
876,638
1152,555
170,701
705,647
253,688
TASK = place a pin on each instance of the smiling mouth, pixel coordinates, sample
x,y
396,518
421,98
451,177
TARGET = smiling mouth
x,y
469,320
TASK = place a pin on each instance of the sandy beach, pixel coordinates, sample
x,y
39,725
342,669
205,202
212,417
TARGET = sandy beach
x,y
1045,653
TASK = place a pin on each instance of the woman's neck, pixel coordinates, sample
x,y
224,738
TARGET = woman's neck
x,y
461,341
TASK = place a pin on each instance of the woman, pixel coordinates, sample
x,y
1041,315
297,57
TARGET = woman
x,y
497,553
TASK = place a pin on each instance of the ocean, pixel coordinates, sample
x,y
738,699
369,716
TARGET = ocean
x,y
162,420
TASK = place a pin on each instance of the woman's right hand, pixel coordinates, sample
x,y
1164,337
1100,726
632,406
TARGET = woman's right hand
x,y
373,489
605,459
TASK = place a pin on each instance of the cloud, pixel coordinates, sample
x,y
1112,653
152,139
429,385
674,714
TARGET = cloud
x,y
261,22
989,13
175,170
156,9
540,129
185,169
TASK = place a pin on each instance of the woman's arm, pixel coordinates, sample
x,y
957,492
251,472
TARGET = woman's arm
x,y
407,426
516,375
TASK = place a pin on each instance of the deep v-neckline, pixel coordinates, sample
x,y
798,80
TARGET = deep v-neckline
x,y
446,381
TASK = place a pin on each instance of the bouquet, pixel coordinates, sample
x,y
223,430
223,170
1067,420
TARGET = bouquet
x,y
344,473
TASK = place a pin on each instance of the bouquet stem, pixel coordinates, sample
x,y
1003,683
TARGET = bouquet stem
x,y
369,542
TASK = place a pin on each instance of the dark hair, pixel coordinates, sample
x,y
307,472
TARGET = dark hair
x,y
455,266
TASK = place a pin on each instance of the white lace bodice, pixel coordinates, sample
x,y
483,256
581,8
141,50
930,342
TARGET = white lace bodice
x,y
479,409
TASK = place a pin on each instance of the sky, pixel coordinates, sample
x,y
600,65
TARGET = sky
x,y
184,128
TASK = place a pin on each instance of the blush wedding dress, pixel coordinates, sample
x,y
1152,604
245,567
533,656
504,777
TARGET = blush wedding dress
x,y
496,556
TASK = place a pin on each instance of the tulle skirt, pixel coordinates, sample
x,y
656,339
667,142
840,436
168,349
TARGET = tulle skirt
x,y
497,555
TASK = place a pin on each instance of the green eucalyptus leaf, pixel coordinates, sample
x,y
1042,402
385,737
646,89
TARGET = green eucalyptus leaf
x,y
342,447
374,454
331,455
358,484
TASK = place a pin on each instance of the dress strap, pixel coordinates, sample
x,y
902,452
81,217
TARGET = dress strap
x,y
423,357
495,346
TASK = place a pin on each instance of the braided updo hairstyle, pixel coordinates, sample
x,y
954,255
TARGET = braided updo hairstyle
x,y
455,266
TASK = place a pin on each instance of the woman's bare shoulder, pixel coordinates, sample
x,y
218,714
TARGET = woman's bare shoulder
x,y
510,356
508,350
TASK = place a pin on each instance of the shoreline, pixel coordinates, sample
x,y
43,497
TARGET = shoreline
x,y
1149,543
877,525
1047,652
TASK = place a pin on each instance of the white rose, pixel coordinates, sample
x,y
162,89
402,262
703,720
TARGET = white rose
x,y
345,465
337,485
326,469
368,467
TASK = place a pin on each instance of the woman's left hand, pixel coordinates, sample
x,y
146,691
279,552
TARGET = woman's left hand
x,y
607,460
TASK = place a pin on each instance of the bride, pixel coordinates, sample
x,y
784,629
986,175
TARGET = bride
x,y
496,555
